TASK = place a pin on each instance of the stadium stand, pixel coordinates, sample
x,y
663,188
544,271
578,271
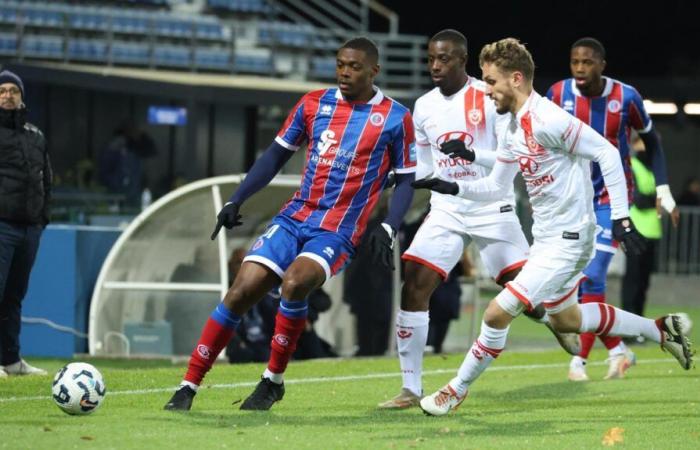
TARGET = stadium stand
x,y
285,39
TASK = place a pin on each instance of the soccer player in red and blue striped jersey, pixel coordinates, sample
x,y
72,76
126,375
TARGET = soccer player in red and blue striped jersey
x,y
355,136
613,109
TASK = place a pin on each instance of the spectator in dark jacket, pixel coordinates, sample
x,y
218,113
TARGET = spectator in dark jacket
x,y
25,189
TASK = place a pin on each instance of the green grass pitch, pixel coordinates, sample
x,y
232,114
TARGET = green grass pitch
x,y
523,401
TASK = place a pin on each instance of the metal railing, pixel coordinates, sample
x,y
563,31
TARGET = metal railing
x,y
678,251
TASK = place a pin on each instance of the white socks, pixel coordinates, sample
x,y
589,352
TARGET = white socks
x,y
601,318
274,377
189,384
411,337
487,347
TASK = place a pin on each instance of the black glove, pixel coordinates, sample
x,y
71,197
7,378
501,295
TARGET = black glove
x,y
381,245
456,148
227,217
437,185
626,234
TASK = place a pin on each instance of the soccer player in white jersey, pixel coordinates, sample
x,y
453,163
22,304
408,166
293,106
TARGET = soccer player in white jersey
x,y
552,150
449,121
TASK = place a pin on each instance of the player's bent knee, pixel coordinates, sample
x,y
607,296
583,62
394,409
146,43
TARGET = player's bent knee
x,y
495,316
566,321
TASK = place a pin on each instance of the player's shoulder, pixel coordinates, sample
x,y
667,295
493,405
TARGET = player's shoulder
x,y
477,84
559,85
628,91
546,114
315,96
427,101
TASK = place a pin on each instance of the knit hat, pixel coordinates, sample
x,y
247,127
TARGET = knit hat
x,y
10,77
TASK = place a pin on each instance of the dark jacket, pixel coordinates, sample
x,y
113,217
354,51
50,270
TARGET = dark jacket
x,y
25,170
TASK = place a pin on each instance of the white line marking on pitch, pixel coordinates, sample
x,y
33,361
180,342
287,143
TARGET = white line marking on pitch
x,y
340,378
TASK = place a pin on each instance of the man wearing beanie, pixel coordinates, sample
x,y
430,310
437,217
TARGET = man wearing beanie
x,y
25,188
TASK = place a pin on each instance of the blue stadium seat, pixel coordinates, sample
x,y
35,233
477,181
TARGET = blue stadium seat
x,y
172,56
210,30
323,67
8,14
253,64
88,20
212,58
130,24
42,18
130,53
244,6
8,44
47,47
87,50
173,27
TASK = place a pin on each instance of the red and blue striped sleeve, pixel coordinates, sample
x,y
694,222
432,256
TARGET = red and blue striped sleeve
x,y
293,131
638,117
403,146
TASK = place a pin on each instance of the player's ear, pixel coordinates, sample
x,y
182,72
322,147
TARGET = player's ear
x,y
603,64
375,70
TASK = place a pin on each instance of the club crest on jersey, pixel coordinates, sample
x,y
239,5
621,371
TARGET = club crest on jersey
x,y
474,116
533,145
463,136
614,106
528,165
376,119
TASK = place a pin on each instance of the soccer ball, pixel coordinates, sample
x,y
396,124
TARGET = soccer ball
x,y
78,388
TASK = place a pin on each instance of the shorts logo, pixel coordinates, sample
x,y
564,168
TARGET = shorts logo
x,y
259,243
329,252
506,208
474,116
376,119
281,339
465,137
203,351
528,165
614,106
404,334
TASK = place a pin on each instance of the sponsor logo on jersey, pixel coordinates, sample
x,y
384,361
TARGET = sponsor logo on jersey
x,y
326,141
528,165
463,136
376,119
329,252
475,116
203,351
326,110
568,105
614,106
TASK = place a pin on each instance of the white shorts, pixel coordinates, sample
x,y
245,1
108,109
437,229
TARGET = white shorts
x,y
443,236
551,275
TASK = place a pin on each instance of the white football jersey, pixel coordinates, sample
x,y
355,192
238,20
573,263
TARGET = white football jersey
x,y
553,149
468,115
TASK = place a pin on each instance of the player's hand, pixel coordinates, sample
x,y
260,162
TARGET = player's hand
x,y
665,202
626,234
228,217
437,185
381,245
456,148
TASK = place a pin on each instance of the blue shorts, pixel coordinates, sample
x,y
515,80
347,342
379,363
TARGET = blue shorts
x,y
285,239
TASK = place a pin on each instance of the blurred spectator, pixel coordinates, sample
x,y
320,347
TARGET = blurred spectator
x,y
120,163
368,290
691,192
25,191
643,213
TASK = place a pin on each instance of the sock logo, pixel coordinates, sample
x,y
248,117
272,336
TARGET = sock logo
x,y
203,351
281,339
477,353
404,333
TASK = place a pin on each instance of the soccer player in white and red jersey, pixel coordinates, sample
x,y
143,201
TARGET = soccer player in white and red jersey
x,y
355,136
451,120
613,109
552,149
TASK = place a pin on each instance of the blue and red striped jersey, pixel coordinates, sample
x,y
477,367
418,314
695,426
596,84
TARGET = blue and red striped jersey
x,y
613,114
351,148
